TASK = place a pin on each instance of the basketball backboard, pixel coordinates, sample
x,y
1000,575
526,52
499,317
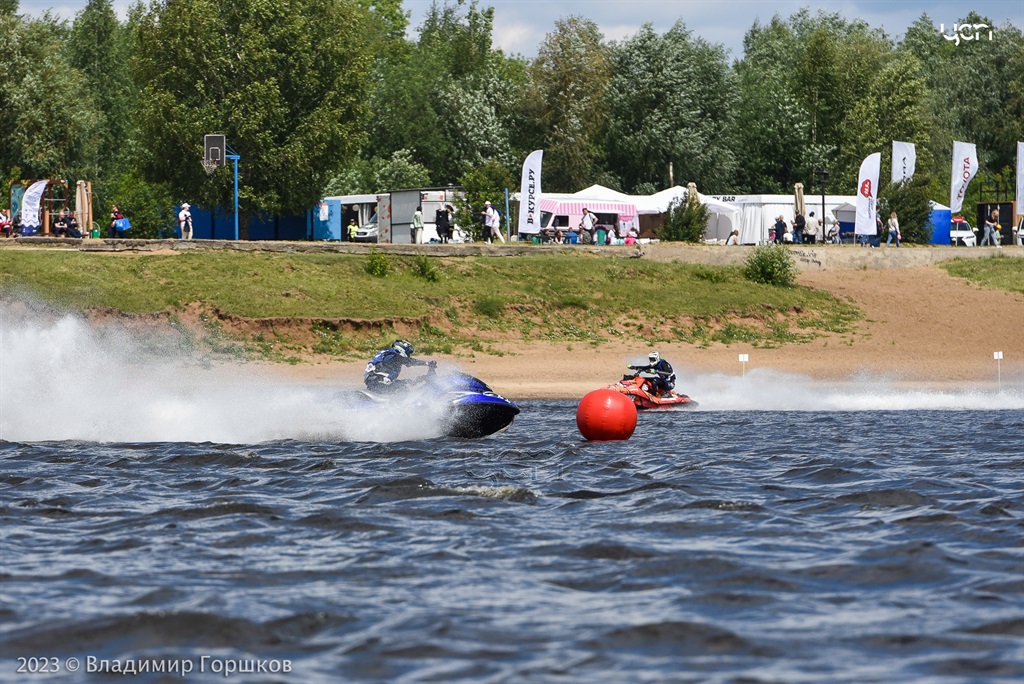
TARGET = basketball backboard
x,y
214,149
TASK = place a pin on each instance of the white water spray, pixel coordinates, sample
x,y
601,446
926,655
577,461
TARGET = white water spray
x,y
64,379
767,389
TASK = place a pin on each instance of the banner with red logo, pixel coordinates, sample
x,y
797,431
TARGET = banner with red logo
x,y
965,166
867,194
529,194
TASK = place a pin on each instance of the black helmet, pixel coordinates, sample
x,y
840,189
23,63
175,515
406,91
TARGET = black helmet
x,y
403,347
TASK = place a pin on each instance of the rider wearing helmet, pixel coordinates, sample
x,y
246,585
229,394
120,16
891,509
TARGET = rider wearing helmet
x,y
664,379
381,373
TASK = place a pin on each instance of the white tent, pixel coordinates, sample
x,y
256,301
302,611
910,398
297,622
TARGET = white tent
x,y
724,216
846,212
758,213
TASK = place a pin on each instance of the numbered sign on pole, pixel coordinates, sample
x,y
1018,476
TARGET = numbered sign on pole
x,y
744,358
998,356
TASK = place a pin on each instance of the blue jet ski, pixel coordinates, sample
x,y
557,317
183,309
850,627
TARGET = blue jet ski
x,y
475,409
465,406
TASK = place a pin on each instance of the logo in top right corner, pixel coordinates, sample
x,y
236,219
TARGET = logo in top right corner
x,y
966,32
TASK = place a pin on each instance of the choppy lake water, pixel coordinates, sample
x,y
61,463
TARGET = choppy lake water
x,y
152,514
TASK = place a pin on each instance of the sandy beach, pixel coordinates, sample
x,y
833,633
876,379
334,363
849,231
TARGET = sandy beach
x,y
920,326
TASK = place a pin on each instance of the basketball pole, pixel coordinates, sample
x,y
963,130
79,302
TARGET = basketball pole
x,y
233,156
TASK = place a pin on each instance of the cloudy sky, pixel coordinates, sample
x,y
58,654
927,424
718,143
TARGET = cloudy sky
x,y
520,25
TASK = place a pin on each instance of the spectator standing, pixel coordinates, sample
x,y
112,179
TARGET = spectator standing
x,y
352,228
780,229
877,241
588,224
115,215
493,221
811,226
990,229
417,226
442,220
185,221
799,222
894,230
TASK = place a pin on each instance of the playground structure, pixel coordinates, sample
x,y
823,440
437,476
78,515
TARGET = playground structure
x,y
52,197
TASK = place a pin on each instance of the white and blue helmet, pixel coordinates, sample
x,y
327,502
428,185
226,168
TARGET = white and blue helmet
x,y
403,347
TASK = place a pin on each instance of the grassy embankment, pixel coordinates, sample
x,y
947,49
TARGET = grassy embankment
x,y
342,305
997,274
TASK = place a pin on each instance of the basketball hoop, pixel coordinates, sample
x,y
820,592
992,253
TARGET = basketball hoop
x,y
209,166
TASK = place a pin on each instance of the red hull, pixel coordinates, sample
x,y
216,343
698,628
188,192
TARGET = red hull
x,y
638,389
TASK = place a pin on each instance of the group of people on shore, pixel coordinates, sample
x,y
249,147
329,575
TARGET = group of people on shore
x,y
805,230
589,232
809,230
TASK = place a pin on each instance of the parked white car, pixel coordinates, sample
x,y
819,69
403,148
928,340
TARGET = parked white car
x,y
961,233
369,231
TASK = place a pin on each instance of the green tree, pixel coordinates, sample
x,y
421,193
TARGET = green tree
x,y
42,133
284,80
450,99
99,47
896,108
771,128
909,200
399,172
671,100
686,221
566,100
485,183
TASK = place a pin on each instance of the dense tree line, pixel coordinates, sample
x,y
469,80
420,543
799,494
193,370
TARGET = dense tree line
x,y
330,96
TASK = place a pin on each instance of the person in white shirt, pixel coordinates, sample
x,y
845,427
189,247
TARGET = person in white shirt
x,y
493,221
417,226
589,223
185,221
811,226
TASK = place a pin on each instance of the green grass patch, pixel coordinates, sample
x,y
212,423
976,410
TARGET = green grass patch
x,y
997,273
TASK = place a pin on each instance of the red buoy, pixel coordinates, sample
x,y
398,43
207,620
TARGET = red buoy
x,y
606,415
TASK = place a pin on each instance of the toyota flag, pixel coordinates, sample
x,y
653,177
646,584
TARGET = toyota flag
x,y
965,166
904,158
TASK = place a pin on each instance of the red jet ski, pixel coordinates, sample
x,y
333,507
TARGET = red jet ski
x,y
640,388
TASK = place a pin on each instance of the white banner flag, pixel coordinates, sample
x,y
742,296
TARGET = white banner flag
x,y
904,159
529,194
965,166
1020,178
30,207
867,194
